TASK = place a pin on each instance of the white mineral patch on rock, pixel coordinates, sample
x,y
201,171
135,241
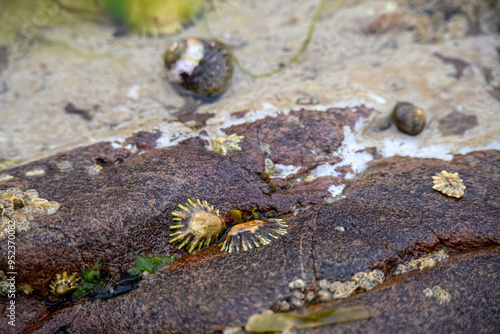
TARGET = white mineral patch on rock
x,y
282,171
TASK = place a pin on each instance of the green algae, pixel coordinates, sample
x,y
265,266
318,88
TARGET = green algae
x,y
277,322
237,217
145,264
153,16
91,280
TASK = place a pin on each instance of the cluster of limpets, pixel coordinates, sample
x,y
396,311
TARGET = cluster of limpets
x,y
17,208
199,225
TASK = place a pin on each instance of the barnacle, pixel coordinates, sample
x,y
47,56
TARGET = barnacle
x,y
297,284
324,296
25,288
35,172
324,284
359,276
63,283
442,296
343,290
449,184
199,225
17,208
253,233
199,67
6,177
376,276
227,143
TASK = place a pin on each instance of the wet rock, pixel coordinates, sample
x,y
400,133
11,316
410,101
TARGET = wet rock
x,y
143,140
390,214
388,217
459,64
456,123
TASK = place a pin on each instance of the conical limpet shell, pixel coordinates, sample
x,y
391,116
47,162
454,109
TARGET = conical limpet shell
x,y
199,225
252,234
449,184
63,283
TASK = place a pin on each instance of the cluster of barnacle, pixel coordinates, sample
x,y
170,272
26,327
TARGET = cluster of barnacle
x,y
200,225
442,296
17,208
360,282
428,261
227,143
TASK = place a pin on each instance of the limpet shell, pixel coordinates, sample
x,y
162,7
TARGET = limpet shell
x,y
63,283
449,184
252,234
199,225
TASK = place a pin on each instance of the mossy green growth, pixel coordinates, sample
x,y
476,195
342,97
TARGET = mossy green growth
x,y
153,16
149,264
90,280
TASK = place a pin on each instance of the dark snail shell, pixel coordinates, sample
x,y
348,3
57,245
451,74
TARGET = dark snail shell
x,y
198,67
408,118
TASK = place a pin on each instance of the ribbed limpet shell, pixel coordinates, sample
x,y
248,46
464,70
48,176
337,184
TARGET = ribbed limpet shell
x,y
449,184
252,234
63,283
199,225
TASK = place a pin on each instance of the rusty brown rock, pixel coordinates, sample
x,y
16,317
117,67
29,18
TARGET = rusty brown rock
x,y
390,215
126,206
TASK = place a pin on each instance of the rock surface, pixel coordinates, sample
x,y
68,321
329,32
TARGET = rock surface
x,y
389,214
